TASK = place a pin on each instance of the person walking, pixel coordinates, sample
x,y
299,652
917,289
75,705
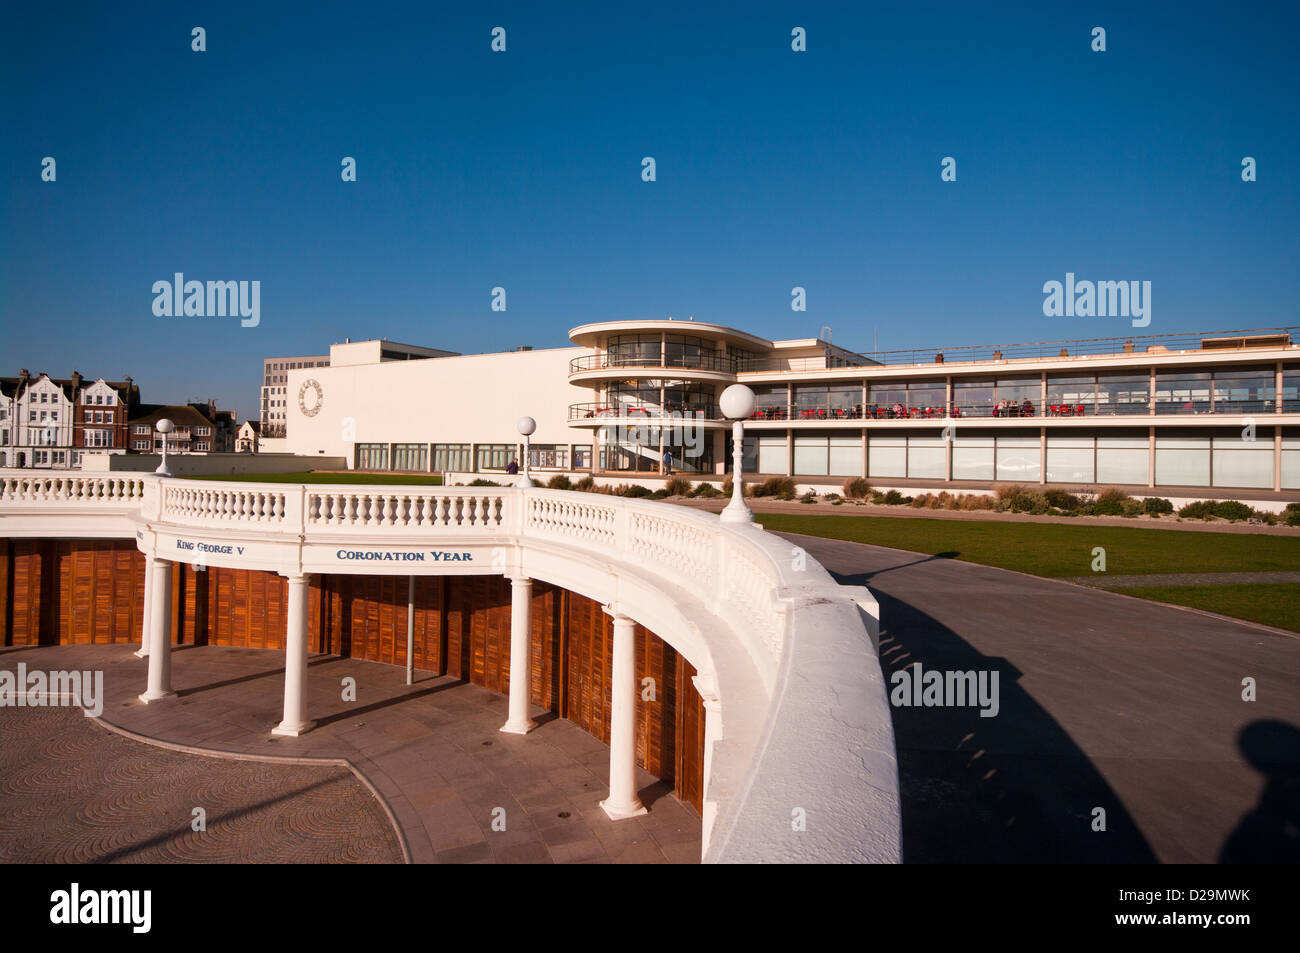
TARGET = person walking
x,y
668,462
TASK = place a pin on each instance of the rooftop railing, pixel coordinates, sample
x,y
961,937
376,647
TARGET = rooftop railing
x,y
1090,347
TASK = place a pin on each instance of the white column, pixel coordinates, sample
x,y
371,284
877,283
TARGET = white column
x,y
295,662
706,686
521,664
143,650
160,649
622,801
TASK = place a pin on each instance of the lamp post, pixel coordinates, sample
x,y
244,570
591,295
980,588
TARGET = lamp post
x,y
737,403
527,426
164,427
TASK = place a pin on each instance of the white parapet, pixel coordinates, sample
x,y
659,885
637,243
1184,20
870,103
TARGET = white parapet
x,y
799,761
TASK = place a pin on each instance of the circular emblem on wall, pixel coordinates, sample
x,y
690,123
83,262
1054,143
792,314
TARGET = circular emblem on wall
x,y
310,397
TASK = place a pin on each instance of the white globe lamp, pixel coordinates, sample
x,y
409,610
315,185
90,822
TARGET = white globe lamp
x,y
164,426
737,405
527,427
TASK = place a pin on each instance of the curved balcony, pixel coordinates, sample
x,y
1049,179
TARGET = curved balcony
x,y
597,413
707,366
790,679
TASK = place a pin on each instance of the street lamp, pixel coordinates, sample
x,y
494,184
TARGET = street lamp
x,y
527,426
737,404
164,427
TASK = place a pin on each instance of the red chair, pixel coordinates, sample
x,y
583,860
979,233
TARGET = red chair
x,y
1078,410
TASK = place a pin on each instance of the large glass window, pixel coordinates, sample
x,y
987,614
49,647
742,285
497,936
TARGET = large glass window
x,y
582,456
926,457
685,351
1179,392
1291,459
770,403
1123,458
1123,394
451,456
830,455
549,456
1183,460
372,456
915,398
1290,395
409,456
886,455
634,396
640,350
1245,391
975,398
1246,463
1018,458
1070,459
688,398
810,401
972,457
496,456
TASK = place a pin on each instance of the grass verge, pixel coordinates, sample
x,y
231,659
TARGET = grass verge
x,y
1272,603
380,479
1055,549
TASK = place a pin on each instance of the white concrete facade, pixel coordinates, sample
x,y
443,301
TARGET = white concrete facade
x,y
1193,411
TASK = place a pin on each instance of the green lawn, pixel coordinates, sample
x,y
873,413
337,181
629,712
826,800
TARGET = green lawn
x,y
1272,603
382,479
1055,549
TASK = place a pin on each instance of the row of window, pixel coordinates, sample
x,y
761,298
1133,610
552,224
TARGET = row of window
x,y
1221,460
464,457
1230,390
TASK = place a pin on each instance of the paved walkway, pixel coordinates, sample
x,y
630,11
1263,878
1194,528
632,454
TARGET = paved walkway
x,y
73,792
1102,581
432,752
1105,702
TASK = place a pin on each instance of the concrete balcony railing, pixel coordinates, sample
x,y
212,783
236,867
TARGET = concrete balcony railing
x,y
784,653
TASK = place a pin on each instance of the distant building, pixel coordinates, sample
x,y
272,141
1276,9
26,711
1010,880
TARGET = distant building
x,y
276,395
274,400
1172,415
247,440
50,422
199,428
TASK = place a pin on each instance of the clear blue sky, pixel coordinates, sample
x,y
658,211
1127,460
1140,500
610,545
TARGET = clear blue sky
x,y
522,169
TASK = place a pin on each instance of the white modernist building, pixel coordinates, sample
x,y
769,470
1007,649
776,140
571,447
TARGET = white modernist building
x,y
1190,412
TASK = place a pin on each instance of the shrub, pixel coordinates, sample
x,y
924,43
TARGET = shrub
x,y
1156,506
746,489
779,487
1110,502
482,482
1233,510
1024,500
677,487
1130,506
707,491
586,484
893,498
636,491
856,488
659,494
1224,509
975,501
1200,510
809,497
1292,516
1008,492
1062,500
559,482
